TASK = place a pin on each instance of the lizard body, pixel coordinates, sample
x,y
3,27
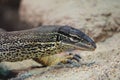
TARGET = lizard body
x,y
42,42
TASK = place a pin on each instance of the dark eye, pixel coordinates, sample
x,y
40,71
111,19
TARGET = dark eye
x,y
74,39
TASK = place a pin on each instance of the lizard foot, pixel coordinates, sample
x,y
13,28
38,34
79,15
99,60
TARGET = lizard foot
x,y
72,60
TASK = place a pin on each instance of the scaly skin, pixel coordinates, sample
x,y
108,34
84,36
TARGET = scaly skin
x,y
41,43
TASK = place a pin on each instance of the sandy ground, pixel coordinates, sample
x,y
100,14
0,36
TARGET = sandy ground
x,y
100,19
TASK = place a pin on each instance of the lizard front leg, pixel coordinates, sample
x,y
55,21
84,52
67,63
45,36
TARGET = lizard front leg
x,y
69,60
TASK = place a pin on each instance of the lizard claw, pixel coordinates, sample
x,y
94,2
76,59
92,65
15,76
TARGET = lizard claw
x,y
75,57
71,63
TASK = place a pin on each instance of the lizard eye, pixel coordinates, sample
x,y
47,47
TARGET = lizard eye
x,y
74,39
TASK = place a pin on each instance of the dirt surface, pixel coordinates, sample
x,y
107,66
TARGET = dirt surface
x,y
100,19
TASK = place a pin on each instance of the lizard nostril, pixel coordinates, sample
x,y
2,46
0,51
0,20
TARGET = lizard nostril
x,y
94,45
89,44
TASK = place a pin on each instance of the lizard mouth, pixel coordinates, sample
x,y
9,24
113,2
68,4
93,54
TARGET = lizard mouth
x,y
80,46
86,47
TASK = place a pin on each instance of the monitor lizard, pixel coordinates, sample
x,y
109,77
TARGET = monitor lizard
x,y
41,43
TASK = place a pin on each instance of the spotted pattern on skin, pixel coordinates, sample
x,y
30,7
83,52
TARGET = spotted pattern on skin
x,y
27,45
28,51
17,46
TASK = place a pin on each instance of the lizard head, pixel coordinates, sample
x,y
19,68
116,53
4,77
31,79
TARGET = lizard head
x,y
75,38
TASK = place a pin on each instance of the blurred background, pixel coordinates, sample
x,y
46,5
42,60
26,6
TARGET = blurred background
x,y
9,15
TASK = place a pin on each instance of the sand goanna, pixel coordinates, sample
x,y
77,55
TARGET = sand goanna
x,y
40,43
